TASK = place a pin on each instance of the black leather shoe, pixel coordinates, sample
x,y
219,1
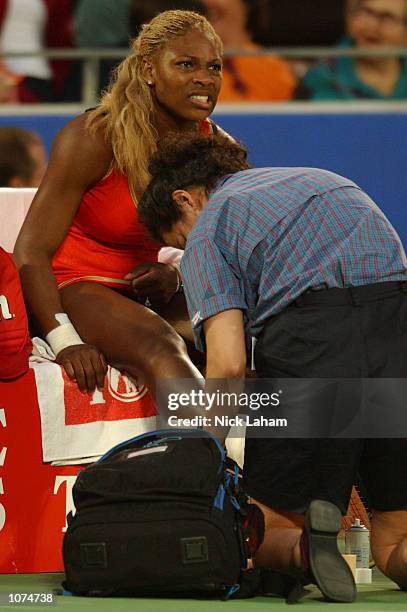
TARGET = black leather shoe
x,y
323,564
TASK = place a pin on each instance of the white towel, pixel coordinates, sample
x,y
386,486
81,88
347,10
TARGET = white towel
x,y
14,204
78,427
170,255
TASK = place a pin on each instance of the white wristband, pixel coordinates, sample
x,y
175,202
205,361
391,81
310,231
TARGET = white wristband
x,y
63,336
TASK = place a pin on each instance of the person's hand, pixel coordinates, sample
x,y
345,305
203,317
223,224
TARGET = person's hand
x,y
85,364
154,283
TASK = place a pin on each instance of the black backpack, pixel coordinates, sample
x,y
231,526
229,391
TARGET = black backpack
x,y
161,515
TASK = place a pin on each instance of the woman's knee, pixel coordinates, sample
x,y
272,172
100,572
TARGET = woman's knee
x,y
166,343
156,343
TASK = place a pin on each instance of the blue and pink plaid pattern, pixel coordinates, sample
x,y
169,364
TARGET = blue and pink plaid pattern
x,y
267,235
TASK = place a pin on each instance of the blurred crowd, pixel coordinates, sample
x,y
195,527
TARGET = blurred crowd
x,y
247,27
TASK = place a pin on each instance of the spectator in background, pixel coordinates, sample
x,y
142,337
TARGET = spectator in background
x,y
22,158
112,24
34,25
297,23
143,12
103,24
371,24
245,78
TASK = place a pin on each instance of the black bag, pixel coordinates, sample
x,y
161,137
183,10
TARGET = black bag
x,y
160,514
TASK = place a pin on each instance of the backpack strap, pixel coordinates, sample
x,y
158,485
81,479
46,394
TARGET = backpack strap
x,y
159,436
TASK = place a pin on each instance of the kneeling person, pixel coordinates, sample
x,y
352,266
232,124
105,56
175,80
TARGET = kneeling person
x,y
304,261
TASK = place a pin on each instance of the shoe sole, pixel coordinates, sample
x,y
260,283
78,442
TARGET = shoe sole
x,y
331,572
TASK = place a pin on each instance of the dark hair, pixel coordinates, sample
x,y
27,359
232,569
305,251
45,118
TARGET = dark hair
x,y
15,158
182,161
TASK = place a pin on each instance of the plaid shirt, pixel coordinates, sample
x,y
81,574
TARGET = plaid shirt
x,y
266,235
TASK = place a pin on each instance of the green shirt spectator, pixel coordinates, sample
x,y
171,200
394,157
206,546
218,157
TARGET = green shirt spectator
x,y
371,25
102,23
337,79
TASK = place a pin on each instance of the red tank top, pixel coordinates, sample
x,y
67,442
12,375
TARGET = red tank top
x,y
106,239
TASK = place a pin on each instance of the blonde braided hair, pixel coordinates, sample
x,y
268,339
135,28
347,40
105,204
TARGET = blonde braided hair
x,y
126,109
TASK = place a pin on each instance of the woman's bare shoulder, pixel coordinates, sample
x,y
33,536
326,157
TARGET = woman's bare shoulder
x,y
80,150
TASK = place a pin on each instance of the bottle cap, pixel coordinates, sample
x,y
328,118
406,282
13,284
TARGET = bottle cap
x,y
358,524
363,575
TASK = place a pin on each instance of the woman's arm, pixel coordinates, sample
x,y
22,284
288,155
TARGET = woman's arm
x,y
77,161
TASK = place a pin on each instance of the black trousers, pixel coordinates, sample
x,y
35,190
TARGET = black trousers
x,y
335,333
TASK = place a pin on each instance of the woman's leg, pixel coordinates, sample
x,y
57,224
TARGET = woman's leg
x,y
133,338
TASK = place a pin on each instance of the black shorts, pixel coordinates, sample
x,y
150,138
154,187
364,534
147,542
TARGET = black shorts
x,y
324,335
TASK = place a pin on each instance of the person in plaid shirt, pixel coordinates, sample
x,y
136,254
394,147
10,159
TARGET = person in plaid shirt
x,y
304,261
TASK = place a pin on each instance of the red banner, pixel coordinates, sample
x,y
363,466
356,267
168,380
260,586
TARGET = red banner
x,y
34,497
